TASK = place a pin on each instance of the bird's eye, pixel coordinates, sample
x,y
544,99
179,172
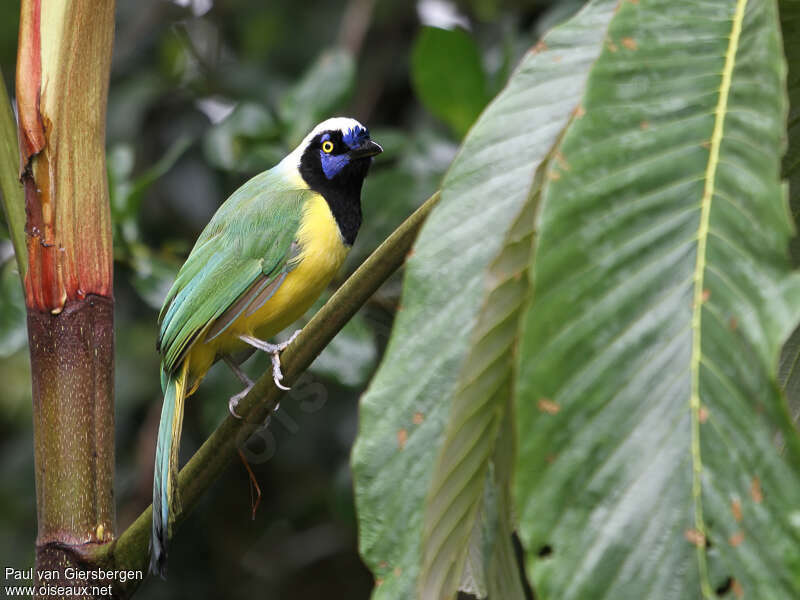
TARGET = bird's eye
x,y
327,147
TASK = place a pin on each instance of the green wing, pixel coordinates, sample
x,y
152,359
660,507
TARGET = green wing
x,y
238,261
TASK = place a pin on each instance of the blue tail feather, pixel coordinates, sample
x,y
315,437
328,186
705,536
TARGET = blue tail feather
x,y
165,498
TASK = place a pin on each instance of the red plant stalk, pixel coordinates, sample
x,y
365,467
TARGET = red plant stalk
x,y
63,65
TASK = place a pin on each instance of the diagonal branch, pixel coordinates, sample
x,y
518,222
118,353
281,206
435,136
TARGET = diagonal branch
x,y
130,551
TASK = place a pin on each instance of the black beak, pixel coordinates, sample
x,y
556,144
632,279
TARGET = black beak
x,y
365,150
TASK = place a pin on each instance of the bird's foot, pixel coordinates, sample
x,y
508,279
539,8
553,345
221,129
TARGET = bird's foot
x,y
277,375
246,382
283,345
274,351
233,402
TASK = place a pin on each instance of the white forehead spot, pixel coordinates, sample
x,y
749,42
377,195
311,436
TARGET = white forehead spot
x,y
340,123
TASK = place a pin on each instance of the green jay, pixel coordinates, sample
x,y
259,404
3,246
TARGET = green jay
x,y
266,255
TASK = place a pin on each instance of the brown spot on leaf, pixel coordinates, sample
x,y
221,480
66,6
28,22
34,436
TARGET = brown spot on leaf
x,y
402,438
644,125
562,162
397,571
702,414
736,509
550,458
706,144
540,46
695,537
548,406
409,254
556,59
418,418
724,587
629,43
554,175
579,111
612,47
705,295
379,582
736,587
733,323
736,539
383,564
755,491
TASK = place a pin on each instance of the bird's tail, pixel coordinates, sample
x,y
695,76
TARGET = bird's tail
x,y
165,480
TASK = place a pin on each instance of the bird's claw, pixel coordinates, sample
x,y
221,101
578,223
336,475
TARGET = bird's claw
x,y
277,375
274,351
233,402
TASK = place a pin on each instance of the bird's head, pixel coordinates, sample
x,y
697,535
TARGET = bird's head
x,y
336,155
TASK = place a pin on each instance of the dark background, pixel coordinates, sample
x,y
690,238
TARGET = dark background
x,y
202,97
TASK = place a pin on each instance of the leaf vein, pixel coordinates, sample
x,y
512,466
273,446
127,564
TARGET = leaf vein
x,y
697,306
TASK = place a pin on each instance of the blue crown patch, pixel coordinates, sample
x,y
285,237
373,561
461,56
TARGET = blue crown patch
x,y
355,136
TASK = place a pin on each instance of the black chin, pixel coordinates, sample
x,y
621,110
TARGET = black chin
x,y
356,170
342,192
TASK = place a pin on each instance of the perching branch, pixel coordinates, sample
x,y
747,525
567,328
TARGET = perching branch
x,y
130,551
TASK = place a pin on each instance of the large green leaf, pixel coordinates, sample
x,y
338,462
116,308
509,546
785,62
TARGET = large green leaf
x,y
790,28
647,396
458,490
404,412
789,372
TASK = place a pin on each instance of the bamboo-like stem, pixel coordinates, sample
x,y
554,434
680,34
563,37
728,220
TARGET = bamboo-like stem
x,y
63,65
130,551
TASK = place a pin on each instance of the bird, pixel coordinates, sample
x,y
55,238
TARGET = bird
x,y
261,261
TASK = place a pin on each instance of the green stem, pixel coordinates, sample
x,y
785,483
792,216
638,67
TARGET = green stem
x,y
13,197
130,551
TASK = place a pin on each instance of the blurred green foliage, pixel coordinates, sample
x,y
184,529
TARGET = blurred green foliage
x,y
448,76
199,102
323,89
12,319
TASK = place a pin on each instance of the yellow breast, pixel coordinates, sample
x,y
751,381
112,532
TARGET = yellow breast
x,y
322,253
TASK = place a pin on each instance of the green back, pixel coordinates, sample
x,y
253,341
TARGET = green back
x,y
246,246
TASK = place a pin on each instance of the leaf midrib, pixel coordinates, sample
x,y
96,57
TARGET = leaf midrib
x,y
699,272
